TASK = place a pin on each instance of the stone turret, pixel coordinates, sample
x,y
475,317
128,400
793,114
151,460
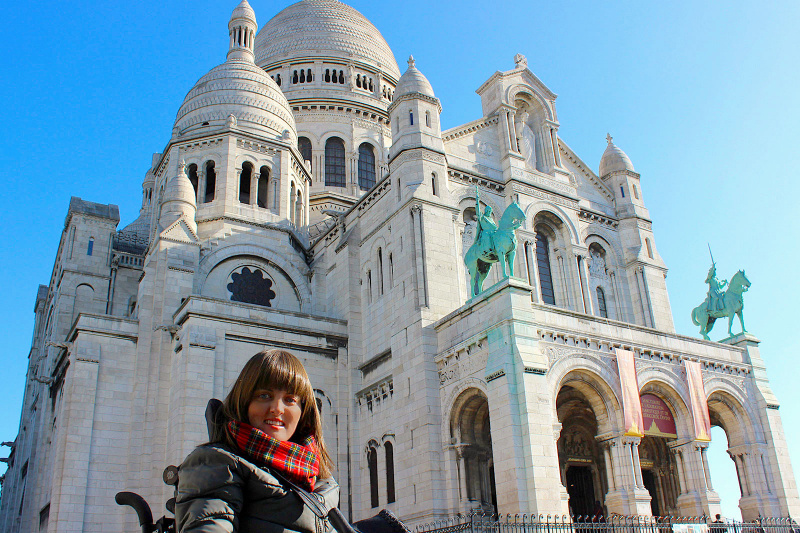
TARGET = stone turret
x,y
179,200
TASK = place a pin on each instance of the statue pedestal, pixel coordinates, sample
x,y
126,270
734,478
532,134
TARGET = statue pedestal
x,y
742,340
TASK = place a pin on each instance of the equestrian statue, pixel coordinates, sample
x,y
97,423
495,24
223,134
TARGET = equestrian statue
x,y
493,243
721,303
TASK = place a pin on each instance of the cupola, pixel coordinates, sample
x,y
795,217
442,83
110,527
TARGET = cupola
x,y
614,159
414,113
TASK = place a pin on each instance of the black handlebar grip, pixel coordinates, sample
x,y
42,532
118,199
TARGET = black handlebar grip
x,y
139,505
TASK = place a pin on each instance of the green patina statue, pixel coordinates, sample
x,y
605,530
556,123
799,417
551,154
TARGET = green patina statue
x,y
720,303
493,243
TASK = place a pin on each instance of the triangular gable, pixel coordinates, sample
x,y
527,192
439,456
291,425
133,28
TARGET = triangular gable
x,y
588,175
180,231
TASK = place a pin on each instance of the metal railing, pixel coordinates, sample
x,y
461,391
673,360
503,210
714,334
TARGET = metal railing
x,y
484,523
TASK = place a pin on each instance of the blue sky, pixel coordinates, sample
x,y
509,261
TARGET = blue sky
x,y
702,96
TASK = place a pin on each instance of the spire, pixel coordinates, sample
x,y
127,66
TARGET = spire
x,y
242,32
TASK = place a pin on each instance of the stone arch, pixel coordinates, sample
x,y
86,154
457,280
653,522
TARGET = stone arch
x,y
594,233
535,208
450,402
296,276
593,382
728,411
674,395
470,434
521,91
344,136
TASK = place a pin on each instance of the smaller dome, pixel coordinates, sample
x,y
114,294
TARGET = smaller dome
x,y
237,93
180,189
614,159
244,11
413,81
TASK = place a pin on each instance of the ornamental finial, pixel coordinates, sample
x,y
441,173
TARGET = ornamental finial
x,y
411,62
521,61
608,138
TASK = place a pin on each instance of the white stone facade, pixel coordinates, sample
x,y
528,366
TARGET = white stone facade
x,y
330,216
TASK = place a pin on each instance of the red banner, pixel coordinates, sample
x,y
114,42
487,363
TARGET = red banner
x,y
631,406
702,421
656,417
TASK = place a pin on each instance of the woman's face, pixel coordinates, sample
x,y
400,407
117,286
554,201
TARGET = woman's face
x,y
275,412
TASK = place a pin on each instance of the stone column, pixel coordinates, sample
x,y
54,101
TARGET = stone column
x,y
612,274
507,132
583,273
554,140
254,188
533,270
512,117
201,186
547,149
629,496
419,255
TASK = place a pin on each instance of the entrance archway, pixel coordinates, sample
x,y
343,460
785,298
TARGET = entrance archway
x,y
727,414
659,468
579,457
470,430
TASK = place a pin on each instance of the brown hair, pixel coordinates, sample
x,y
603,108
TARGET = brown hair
x,y
279,370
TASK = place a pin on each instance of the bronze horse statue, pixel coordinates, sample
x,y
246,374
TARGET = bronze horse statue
x,y
496,246
704,315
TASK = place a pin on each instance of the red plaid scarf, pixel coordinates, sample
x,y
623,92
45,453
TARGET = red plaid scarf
x,y
298,462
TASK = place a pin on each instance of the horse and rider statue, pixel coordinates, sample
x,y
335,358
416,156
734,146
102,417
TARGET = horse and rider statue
x,y
494,243
721,303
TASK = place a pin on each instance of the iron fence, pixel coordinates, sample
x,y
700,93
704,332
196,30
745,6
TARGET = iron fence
x,y
483,523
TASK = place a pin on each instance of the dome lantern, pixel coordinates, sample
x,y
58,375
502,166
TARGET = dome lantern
x,y
242,32
614,159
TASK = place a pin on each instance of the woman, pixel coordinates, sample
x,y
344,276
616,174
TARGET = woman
x,y
268,423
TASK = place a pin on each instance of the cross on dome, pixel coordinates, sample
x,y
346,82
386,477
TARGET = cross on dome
x,y
608,138
411,62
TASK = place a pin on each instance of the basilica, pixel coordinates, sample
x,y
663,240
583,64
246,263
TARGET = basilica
x,y
308,199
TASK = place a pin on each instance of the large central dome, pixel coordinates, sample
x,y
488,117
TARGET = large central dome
x,y
314,28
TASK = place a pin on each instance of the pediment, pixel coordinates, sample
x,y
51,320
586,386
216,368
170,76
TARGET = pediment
x,y
180,231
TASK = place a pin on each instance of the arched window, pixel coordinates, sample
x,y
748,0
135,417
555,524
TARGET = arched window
x,y
434,184
302,76
291,202
244,182
309,76
90,246
263,184
366,166
428,118
601,303
635,192
298,209
211,181
369,286
411,118
390,497
622,191
543,262
334,162
327,75
380,270
341,77
278,80
649,248
372,462
304,145
192,173
391,271
295,77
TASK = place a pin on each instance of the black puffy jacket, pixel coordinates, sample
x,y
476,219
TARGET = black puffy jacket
x,y
220,491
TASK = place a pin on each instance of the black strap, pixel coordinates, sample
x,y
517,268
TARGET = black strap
x,y
316,503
